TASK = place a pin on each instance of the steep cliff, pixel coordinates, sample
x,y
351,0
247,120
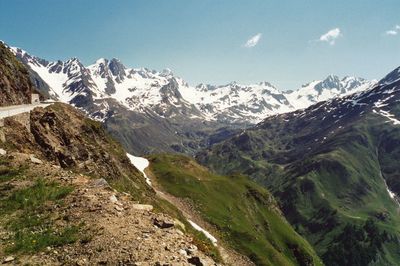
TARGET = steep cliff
x,y
15,85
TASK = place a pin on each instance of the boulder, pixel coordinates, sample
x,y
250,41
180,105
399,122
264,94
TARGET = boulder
x,y
3,152
163,224
8,259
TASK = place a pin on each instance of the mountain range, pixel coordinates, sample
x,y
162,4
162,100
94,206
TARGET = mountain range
x,y
181,117
141,89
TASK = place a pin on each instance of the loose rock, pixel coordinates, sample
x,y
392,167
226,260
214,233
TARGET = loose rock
x,y
35,160
8,259
118,208
113,199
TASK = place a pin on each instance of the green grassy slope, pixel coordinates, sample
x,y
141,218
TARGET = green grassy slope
x,y
244,214
338,183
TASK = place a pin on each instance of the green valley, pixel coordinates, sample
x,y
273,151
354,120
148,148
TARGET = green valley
x,y
243,214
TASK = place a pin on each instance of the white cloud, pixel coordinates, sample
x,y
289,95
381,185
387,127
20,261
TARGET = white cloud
x,y
391,32
331,36
394,31
253,41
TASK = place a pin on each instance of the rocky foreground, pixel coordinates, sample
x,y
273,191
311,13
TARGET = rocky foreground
x,y
69,196
118,230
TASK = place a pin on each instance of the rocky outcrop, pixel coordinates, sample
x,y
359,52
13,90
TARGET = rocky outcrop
x,y
15,85
61,134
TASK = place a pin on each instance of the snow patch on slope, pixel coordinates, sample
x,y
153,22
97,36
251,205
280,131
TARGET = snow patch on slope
x,y
388,115
141,164
207,234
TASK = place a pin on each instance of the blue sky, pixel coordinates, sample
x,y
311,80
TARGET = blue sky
x,y
210,40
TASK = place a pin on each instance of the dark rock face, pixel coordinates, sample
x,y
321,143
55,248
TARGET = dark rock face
x,y
195,261
117,69
15,85
391,77
65,136
329,82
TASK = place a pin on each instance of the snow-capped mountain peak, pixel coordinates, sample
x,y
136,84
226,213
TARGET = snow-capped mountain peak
x,y
331,82
107,68
322,90
166,72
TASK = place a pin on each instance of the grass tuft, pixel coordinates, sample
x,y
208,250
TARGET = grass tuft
x,y
32,230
